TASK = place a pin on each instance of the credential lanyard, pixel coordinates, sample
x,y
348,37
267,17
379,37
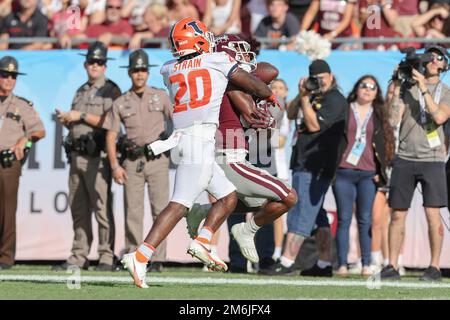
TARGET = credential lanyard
x,y
361,129
437,97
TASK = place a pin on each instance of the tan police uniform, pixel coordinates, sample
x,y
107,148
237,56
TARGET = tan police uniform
x,y
17,119
90,177
143,119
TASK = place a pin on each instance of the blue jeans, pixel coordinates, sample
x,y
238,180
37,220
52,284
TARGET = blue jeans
x,y
311,190
354,185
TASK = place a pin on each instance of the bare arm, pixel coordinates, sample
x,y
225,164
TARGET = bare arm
x,y
251,84
118,173
418,24
234,16
397,107
293,108
4,45
243,103
346,19
309,115
207,17
390,14
310,15
126,10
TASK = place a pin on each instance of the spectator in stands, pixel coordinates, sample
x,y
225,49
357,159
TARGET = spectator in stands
x,y
179,9
408,11
134,11
421,110
27,22
299,7
157,26
432,23
257,10
94,9
223,16
113,26
369,152
279,23
377,20
334,18
67,23
5,8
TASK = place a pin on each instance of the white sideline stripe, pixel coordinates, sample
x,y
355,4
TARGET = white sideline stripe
x,y
219,281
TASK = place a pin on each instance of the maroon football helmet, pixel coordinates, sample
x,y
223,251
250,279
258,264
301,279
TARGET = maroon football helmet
x,y
237,48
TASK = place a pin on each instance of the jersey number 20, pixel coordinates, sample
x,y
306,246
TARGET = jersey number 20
x,y
191,84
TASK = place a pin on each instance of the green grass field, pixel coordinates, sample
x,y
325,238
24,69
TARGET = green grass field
x,y
180,283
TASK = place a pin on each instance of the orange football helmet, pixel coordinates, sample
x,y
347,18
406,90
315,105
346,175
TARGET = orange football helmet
x,y
189,36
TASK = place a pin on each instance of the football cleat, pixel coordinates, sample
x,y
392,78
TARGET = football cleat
x,y
210,260
136,269
194,217
246,242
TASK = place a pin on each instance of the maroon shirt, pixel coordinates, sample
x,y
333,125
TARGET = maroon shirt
x,y
231,134
96,30
330,15
367,160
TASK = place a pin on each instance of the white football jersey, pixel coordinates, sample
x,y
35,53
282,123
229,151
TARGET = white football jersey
x,y
196,87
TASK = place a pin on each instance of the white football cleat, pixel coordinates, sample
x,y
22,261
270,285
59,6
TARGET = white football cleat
x,y
136,269
209,259
246,242
194,217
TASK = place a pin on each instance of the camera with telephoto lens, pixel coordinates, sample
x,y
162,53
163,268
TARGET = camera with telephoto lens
x,y
313,84
410,62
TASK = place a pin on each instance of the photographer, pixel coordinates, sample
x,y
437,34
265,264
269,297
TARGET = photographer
x,y
421,106
315,157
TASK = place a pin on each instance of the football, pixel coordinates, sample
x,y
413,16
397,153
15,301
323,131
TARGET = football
x,y
266,72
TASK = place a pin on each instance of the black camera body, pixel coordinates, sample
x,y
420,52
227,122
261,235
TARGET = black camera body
x,y
410,62
313,84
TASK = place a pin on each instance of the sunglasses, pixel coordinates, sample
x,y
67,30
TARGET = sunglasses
x,y
366,85
100,63
6,75
438,57
113,7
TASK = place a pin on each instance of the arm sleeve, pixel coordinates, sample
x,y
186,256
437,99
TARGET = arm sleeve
x,y
31,120
112,118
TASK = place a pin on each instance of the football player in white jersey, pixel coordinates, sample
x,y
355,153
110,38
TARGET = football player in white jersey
x,y
196,81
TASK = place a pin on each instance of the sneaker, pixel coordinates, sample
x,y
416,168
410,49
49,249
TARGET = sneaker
x,y
342,271
366,271
401,270
65,266
194,217
355,269
376,268
278,269
246,242
156,266
316,271
389,273
431,274
136,269
211,260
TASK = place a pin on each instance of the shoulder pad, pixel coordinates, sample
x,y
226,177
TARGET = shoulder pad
x,y
27,101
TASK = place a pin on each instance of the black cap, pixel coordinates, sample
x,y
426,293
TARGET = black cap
x,y
10,65
138,60
98,51
319,66
440,49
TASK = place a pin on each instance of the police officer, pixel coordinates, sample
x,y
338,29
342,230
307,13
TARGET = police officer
x,y
90,173
20,126
143,111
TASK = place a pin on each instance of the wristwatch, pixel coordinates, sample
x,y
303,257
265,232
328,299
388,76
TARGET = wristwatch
x,y
83,116
424,92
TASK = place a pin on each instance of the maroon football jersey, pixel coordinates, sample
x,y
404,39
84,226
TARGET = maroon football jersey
x,y
231,132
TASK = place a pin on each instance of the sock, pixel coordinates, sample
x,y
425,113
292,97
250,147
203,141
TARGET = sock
x,y
376,257
323,264
144,252
285,262
385,262
276,253
205,235
251,226
400,260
